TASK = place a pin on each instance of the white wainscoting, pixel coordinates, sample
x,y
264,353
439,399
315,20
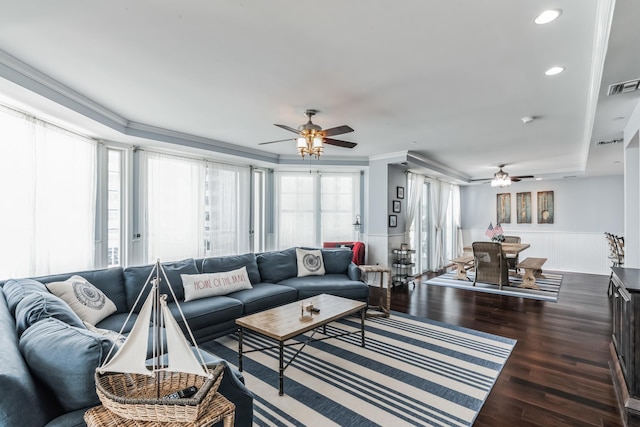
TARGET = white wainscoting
x,y
565,251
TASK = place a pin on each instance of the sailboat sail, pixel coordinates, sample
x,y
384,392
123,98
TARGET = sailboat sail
x,y
131,357
181,358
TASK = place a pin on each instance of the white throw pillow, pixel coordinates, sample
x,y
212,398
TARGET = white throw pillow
x,y
88,302
210,284
310,262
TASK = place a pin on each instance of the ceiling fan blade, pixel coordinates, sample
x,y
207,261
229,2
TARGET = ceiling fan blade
x,y
338,130
522,177
289,128
339,143
279,140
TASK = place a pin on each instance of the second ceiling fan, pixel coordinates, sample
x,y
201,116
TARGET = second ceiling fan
x,y
502,179
312,137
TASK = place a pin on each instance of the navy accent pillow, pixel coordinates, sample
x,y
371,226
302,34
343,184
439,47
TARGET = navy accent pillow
x,y
336,261
278,265
135,278
65,358
16,289
42,305
233,262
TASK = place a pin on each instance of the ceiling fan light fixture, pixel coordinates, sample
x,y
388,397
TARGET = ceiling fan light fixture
x,y
501,179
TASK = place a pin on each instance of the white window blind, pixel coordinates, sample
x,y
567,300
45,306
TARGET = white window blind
x,y
48,187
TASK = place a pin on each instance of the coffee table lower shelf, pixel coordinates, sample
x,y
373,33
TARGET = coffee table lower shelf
x,y
283,323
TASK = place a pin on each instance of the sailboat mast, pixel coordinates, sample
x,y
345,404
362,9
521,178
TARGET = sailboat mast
x,y
156,325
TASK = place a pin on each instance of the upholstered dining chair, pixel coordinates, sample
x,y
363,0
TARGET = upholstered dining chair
x,y
491,264
512,260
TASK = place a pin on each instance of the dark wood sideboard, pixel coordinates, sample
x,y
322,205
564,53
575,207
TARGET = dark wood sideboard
x,y
625,342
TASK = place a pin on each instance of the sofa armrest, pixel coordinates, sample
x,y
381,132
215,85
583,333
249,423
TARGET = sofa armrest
x,y
354,272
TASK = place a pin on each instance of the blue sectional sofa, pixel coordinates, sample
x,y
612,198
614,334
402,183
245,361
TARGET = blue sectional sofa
x,y
49,356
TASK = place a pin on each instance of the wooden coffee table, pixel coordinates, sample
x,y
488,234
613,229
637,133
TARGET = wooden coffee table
x,y
285,322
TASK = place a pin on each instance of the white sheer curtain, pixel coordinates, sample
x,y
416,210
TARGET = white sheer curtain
x,y
439,202
457,217
226,225
174,210
416,182
48,187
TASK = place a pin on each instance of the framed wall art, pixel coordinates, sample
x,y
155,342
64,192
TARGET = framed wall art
x,y
400,192
393,220
396,206
523,208
545,207
503,208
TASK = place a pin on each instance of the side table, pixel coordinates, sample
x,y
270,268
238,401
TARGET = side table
x,y
384,300
220,409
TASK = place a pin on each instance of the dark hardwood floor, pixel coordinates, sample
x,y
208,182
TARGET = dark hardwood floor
x,y
558,372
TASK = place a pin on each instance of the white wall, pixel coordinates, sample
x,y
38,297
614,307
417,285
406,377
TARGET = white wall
x,y
584,208
632,190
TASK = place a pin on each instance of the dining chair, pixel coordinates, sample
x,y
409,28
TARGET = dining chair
x,y
512,260
616,255
491,264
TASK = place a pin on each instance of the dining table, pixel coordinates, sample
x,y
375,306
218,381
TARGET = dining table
x,y
507,248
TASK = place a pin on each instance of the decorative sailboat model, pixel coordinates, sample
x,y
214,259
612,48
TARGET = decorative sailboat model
x,y
131,388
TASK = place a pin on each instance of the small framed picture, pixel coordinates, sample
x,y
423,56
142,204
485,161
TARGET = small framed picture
x,y
393,220
396,206
400,192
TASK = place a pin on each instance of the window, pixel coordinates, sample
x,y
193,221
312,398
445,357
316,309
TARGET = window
x,y
194,208
259,220
48,186
227,209
420,230
315,208
114,207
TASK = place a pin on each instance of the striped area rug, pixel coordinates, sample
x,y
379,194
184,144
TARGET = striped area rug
x,y
549,286
411,372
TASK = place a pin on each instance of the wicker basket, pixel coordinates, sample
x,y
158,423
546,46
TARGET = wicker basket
x,y
134,396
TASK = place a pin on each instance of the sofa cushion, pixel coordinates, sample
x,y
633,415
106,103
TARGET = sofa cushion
x,y
116,321
204,312
65,358
87,301
204,285
22,402
42,305
333,284
277,265
16,289
263,296
135,278
309,262
108,280
336,261
233,262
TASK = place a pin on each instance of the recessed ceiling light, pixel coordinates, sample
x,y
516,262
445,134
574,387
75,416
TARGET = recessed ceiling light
x,y
554,70
547,16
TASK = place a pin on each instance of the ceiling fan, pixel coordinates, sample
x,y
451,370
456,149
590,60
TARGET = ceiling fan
x,y
502,179
311,137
